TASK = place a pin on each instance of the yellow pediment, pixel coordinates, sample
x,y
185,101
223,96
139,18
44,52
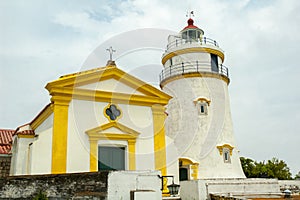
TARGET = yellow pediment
x,y
94,85
104,132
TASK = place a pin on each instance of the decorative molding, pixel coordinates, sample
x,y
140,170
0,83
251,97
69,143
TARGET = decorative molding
x,y
192,50
228,146
97,134
25,136
42,116
104,96
98,131
202,99
67,85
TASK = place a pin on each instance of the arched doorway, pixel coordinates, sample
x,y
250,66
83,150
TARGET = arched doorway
x,y
188,170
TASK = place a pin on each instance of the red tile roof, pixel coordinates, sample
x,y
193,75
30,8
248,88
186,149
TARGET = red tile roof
x,y
5,140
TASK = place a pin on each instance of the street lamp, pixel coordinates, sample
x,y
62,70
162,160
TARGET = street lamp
x,y
173,188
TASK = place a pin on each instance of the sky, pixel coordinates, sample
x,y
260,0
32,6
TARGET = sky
x,y
42,40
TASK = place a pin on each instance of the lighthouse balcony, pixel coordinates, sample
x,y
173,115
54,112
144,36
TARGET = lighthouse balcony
x,y
178,42
192,68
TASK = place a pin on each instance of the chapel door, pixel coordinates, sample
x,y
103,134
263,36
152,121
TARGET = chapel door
x,y
111,158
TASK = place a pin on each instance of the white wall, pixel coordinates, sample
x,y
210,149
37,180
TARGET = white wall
x,y
193,190
120,183
40,155
200,189
20,158
172,160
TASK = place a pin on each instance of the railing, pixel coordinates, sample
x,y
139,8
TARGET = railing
x,y
192,67
200,41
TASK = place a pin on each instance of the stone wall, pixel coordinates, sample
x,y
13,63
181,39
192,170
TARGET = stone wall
x,y
61,186
4,165
106,185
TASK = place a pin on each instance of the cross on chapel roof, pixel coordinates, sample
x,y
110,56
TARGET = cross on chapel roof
x,y
111,51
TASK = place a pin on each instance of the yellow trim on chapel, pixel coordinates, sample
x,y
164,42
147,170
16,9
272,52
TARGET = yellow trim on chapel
x,y
109,72
159,116
25,136
97,134
60,134
192,50
42,116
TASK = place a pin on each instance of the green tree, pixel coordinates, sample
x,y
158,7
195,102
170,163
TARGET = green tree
x,y
278,169
273,168
248,166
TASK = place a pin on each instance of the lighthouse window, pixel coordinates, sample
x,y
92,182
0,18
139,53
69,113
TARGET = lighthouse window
x,y
192,34
226,155
214,63
184,35
202,108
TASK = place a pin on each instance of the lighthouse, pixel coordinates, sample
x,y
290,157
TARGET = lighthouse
x,y
199,119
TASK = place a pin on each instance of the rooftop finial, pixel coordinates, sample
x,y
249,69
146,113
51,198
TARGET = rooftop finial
x,y
111,51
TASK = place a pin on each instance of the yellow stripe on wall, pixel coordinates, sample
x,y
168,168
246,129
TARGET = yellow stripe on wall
x,y
158,112
60,135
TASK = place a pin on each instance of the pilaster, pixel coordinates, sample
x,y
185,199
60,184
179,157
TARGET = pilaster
x,y
159,116
60,134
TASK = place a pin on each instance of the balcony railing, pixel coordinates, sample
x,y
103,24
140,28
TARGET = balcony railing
x,y
191,67
200,41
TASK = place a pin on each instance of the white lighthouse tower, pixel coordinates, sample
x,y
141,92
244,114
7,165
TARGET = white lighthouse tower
x,y
199,119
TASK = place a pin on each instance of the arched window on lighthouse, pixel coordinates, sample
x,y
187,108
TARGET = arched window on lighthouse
x,y
202,108
226,152
226,155
202,104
